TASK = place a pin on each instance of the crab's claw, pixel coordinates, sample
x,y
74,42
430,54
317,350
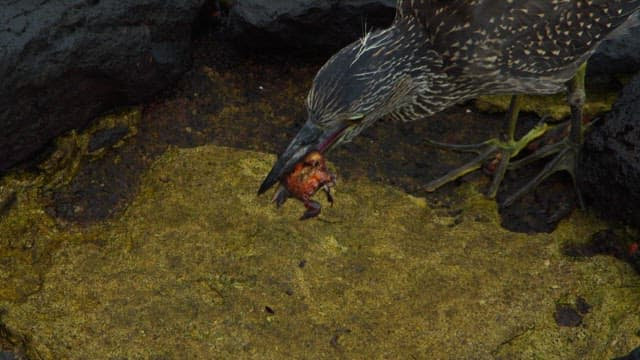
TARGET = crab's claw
x,y
327,190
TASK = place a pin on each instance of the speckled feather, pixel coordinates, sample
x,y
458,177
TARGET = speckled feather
x,y
511,46
520,37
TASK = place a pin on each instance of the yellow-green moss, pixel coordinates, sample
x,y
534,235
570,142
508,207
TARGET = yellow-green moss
x,y
189,270
553,106
28,236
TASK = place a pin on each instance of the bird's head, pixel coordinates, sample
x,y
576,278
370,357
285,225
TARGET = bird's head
x,y
358,85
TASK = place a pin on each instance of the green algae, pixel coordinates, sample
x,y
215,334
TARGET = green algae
x,y
198,266
551,106
28,235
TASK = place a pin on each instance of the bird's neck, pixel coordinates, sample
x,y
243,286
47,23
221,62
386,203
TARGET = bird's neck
x,y
408,50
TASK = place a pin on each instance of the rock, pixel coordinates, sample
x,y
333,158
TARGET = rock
x,y
199,267
567,316
308,26
618,54
62,63
7,356
107,137
633,355
610,164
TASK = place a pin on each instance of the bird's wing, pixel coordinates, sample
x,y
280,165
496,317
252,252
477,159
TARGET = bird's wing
x,y
523,37
551,35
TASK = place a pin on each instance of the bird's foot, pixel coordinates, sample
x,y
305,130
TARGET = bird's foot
x,y
566,157
493,150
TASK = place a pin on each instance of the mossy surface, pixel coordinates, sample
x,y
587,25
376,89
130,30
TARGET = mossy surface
x,y
551,106
133,251
199,267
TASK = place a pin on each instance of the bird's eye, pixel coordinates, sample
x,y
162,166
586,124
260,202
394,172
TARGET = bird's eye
x,y
355,117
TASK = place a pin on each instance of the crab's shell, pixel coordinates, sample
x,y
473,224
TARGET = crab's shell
x,y
308,176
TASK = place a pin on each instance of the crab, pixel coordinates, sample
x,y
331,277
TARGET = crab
x,y
307,177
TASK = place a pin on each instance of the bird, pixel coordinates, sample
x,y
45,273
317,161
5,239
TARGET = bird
x,y
438,53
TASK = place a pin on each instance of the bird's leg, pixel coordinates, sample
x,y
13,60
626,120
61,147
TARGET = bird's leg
x,y
567,150
504,148
512,149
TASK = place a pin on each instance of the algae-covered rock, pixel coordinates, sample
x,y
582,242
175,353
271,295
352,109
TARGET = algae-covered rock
x,y
550,106
199,267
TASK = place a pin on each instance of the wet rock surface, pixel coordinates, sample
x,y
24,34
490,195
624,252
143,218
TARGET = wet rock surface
x,y
63,63
308,26
199,266
610,163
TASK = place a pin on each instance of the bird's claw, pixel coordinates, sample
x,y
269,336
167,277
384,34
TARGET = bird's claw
x,y
566,158
490,150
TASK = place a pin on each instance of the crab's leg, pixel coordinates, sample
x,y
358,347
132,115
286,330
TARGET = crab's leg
x,y
313,209
327,191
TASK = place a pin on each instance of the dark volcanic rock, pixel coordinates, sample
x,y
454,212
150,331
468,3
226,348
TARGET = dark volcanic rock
x,y
307,26
7,356
107,137
64,62
610,165
619,54
634,355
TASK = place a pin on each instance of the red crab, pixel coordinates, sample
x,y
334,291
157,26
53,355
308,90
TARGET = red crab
x,y
307,177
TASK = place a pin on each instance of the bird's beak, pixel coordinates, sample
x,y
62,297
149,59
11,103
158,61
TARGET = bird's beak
x,y
310,138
